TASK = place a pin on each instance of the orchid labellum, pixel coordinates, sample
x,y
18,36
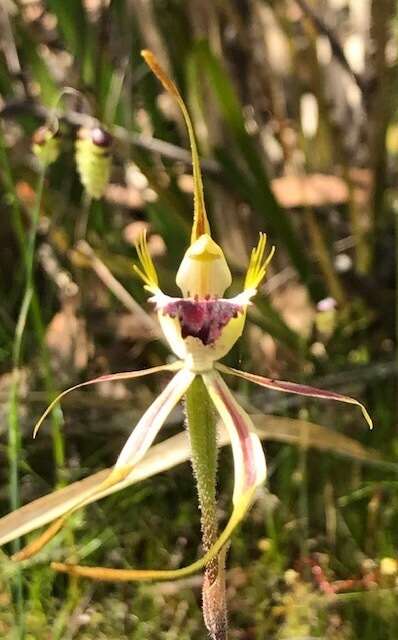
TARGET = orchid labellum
x,y
201,327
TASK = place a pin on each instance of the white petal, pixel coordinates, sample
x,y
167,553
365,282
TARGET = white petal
x,y
148,427
249,460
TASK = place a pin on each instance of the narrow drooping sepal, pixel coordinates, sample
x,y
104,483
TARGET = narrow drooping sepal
x,y
137,575
298,389
133,451
250,471
111,377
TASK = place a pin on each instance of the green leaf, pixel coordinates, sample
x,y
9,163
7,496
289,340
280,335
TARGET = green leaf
x,y
78,35
49,90
72,24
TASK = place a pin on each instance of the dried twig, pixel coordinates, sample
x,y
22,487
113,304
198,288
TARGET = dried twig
x,y
10,49
77,119
335,45
118,290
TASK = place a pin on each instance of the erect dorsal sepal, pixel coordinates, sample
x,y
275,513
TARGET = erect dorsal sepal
x,y
200,222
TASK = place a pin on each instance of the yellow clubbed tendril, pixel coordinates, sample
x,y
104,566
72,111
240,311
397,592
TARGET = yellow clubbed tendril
x,y
200,221
147,272
258,264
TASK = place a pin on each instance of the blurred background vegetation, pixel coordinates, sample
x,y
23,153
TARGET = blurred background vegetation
x,y
295,108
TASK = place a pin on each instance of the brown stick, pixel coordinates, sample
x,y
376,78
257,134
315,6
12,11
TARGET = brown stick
x,y
335,45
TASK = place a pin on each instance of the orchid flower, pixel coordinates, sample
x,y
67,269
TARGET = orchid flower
x,y
201,327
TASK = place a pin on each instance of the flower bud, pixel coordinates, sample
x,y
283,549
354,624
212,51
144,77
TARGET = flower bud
x,y
94,160
46,144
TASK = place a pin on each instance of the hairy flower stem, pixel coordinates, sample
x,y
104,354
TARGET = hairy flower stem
x,y
202,432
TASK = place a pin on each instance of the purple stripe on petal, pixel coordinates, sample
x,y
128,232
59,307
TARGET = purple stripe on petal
x,y
299,389
243,433
153,419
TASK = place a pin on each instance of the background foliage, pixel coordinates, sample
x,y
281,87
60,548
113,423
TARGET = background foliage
x,y
294,104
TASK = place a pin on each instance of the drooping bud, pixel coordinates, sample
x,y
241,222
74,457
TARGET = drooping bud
x,y
46,144
94,160
203,271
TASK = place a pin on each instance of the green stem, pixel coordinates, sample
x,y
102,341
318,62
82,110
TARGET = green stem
x,y
325,262
29,303
396,276
27,249
83,220
202,433
14,426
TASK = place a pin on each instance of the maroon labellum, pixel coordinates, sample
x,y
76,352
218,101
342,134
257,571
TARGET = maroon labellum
x,y
203,319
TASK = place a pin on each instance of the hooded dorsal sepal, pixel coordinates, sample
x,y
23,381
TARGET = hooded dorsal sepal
x,y
204,272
